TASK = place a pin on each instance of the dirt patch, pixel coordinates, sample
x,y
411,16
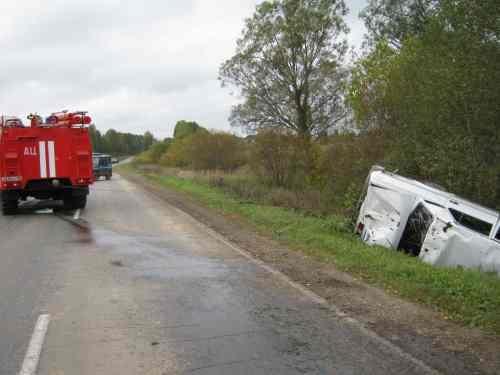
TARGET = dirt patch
x,y
420,331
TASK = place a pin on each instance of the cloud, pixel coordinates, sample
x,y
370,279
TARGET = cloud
x,y
135,65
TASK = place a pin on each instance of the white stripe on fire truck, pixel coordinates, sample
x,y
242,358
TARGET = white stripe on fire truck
x,y
43,159
52,159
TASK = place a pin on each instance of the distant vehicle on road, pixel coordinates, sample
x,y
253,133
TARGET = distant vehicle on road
x,y
47,160
102,165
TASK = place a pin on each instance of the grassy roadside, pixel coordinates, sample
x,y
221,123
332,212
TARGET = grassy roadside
x,y
467,297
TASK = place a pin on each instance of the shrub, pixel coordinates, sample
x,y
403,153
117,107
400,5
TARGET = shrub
x,y
282,158
178,153
216,151
344,163
154,153
206,151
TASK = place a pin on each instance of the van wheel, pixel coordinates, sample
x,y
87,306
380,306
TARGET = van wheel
x,y
9,206
108,177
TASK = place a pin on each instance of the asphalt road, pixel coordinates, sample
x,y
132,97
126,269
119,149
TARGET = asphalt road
x,y
135,286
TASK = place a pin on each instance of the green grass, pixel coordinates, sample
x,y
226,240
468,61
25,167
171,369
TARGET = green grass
x,y
466,296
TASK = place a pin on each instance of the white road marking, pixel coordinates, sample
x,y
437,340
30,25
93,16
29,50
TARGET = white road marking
x,y
76,216
32,357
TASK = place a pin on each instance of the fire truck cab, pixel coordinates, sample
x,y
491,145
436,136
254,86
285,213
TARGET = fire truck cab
x,y
46,160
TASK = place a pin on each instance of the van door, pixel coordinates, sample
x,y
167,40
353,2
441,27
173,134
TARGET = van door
x,y
451,244
384,214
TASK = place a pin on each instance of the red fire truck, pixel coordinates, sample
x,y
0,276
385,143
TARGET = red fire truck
x,y
49,159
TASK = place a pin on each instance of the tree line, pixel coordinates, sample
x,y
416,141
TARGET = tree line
x,y
422,98
116,143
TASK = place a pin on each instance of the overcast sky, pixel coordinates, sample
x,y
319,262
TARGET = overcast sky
x,y
135,65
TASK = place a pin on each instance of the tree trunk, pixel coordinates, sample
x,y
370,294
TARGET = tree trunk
x,y
302,123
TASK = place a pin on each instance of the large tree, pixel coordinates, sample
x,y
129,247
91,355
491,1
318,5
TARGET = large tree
x,y
288,67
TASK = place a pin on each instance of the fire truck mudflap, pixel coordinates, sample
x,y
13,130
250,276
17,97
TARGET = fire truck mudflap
x,y
47,160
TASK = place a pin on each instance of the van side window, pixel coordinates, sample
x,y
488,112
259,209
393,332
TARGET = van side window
x,y
498,235
472,222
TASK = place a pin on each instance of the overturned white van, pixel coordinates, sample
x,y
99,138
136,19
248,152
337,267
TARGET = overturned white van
x,y
425,221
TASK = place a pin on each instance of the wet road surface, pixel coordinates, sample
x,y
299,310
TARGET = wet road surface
x,y
137,287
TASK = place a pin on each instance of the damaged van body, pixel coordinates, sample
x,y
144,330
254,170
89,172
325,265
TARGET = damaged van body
x,y
425,221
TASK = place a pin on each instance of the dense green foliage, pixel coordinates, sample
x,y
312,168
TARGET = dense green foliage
x,y
437,98
116,143
469,297
396,20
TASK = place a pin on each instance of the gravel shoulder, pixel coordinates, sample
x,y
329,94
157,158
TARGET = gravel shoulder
x,y
424,333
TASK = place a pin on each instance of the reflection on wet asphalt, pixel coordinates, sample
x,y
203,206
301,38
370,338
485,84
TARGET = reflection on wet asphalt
x,y
143,290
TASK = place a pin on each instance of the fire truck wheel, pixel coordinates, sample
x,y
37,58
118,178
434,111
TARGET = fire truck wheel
x,y
9,207
75,203
80,202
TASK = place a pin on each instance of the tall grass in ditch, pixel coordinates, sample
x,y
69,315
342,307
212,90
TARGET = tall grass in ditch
x,y
248,188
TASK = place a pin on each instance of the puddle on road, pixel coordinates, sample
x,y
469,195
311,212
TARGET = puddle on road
x,y
150,257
